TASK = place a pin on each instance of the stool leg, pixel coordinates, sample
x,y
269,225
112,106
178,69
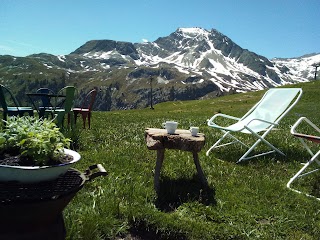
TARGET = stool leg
x,y
199,169
160,157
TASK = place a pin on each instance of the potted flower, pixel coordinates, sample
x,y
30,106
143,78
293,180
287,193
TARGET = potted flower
x,y
33,150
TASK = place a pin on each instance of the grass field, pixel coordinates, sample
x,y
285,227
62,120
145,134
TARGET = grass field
x,y
244,201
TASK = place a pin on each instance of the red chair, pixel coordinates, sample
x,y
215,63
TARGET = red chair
x,y
86,107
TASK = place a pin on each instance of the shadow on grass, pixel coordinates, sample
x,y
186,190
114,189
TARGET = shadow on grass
x,y
173,193
140,230
316,187
233,155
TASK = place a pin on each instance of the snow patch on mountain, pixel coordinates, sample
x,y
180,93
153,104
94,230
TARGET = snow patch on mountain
x,y
61,58
302,67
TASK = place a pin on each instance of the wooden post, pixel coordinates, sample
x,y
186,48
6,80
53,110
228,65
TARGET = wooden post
x,y
316,65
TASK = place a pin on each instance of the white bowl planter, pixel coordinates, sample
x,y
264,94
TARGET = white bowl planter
x,y
32,174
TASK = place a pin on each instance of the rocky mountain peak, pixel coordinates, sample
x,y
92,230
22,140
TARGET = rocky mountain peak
x,y
104,46
192,32
190,63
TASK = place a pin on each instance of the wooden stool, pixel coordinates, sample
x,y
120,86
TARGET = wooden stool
x,y
159,139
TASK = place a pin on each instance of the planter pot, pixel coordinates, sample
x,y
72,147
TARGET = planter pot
x,y
32,174
34,211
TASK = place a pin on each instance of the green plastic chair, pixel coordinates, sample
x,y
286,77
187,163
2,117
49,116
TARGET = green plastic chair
x,y
63,104
10,105
261,118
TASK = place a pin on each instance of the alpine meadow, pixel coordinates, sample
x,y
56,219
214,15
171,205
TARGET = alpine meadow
x,y
242,201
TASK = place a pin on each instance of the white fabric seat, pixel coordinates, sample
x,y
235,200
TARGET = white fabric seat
x,y
262,117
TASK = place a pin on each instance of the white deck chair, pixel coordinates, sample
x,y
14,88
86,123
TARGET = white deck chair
x,y
302,137
262,117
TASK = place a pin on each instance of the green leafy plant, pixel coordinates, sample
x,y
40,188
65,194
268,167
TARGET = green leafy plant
x,y
37,141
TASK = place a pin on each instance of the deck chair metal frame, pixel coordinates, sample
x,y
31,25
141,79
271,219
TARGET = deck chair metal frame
x,y
314,156
262,117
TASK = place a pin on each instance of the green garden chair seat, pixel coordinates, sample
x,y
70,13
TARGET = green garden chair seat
x,y
10,105
261,118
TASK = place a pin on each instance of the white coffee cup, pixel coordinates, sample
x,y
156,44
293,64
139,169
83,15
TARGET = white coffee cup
x,y
194,131
171,126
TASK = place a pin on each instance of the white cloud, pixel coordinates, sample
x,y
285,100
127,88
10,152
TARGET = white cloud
x,y
19,48
23,44
5,48
144,40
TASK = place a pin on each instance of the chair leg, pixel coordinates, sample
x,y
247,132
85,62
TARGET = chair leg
x,y
89,120
5,116
300,173
245,156
226,134
75,116
46,114
42,113
85,115
260,139
217,143
68,119
70,116
84,118
60,120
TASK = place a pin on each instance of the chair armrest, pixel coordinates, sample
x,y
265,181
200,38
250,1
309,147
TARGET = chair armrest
x,y
298,122
211,120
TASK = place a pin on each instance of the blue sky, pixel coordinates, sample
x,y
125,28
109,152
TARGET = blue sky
x,y
272,28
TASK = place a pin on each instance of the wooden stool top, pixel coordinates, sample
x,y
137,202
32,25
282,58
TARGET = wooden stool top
x,y
157,138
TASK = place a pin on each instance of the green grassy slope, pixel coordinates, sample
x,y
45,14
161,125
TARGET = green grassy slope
x,y
244,201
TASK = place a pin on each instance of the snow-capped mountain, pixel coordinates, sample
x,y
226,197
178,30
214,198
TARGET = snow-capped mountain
x,y
303,67
190,63
208,56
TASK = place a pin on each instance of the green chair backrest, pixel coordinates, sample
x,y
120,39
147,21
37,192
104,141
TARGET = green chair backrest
x,y
69,93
